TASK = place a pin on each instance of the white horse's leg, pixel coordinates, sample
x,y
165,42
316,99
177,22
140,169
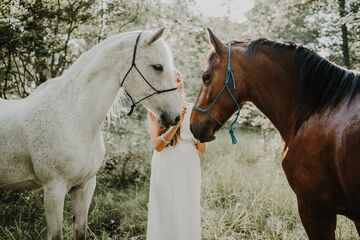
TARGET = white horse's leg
x,y
81,199
54,195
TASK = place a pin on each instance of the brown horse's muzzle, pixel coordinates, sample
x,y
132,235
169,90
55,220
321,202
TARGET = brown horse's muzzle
x,y
203,131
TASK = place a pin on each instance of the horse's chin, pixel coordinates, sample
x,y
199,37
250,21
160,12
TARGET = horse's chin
x,y
202,132
208,138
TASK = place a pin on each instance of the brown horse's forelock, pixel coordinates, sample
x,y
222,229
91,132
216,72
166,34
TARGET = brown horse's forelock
x,y
320,83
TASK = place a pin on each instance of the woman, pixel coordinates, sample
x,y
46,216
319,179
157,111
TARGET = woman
x,y
174,205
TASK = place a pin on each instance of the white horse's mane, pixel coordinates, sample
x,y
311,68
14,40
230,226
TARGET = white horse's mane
x,y
86,57
118,106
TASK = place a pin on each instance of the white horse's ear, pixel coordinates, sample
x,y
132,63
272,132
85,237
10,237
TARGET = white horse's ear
x,y
161,32
219,47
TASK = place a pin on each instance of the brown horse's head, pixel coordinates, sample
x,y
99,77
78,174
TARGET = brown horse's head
x,y
203,125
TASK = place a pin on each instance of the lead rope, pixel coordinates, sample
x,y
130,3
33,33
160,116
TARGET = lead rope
x,y
230,74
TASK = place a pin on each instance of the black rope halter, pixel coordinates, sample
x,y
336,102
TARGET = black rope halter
x,y
133,65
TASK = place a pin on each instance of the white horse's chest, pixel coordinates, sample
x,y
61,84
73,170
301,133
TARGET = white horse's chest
x,y
87,167
71,153
85,162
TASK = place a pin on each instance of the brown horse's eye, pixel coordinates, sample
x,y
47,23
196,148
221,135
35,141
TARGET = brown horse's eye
x,y
206,77
158,67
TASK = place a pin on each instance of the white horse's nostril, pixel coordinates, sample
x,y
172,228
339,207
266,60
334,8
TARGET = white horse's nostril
x,y
177,119
162,117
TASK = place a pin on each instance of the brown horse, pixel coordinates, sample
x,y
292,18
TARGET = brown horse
x,y
315,106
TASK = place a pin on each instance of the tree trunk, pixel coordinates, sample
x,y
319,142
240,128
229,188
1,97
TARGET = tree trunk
x,y
344,35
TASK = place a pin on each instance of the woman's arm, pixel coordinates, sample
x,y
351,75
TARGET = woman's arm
x,y
200,147
161,140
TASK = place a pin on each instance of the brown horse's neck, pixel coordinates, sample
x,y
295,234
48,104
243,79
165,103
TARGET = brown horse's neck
x,y
271,86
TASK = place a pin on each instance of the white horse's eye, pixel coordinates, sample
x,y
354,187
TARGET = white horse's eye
x,y
158,67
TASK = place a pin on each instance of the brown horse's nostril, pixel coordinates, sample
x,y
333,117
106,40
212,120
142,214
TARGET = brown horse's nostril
x,y
177,119
202,131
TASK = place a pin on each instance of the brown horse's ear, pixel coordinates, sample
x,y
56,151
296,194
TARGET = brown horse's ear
x,y
216,43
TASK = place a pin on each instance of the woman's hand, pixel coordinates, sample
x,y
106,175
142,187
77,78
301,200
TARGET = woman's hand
x,y
160,141
200,147
182,116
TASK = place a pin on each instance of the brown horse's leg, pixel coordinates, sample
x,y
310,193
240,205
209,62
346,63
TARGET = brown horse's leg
x,y
319,222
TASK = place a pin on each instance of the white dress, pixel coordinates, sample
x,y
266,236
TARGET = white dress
x,y
174,201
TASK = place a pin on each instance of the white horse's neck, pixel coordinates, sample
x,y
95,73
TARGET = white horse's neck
x,y
97,93
99,82
90,86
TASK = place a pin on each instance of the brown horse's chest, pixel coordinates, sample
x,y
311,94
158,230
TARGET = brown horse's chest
x,y
322,165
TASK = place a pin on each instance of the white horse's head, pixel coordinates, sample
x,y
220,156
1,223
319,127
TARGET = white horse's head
x,y
111,64
154,71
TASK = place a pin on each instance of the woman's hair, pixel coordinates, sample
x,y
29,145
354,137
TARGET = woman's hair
x,y
176,137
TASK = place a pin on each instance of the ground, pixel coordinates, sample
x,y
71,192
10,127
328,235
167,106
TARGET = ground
x,y
244,196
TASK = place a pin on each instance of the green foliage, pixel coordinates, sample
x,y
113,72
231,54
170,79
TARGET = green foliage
x,y
314,23
35,39
39,39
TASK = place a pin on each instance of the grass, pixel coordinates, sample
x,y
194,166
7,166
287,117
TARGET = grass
x,y
245,195
250,199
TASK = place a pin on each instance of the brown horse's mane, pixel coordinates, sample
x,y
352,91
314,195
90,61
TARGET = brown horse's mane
x,y
321,84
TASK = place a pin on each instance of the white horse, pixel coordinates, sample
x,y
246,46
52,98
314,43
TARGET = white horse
x,y
52,138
